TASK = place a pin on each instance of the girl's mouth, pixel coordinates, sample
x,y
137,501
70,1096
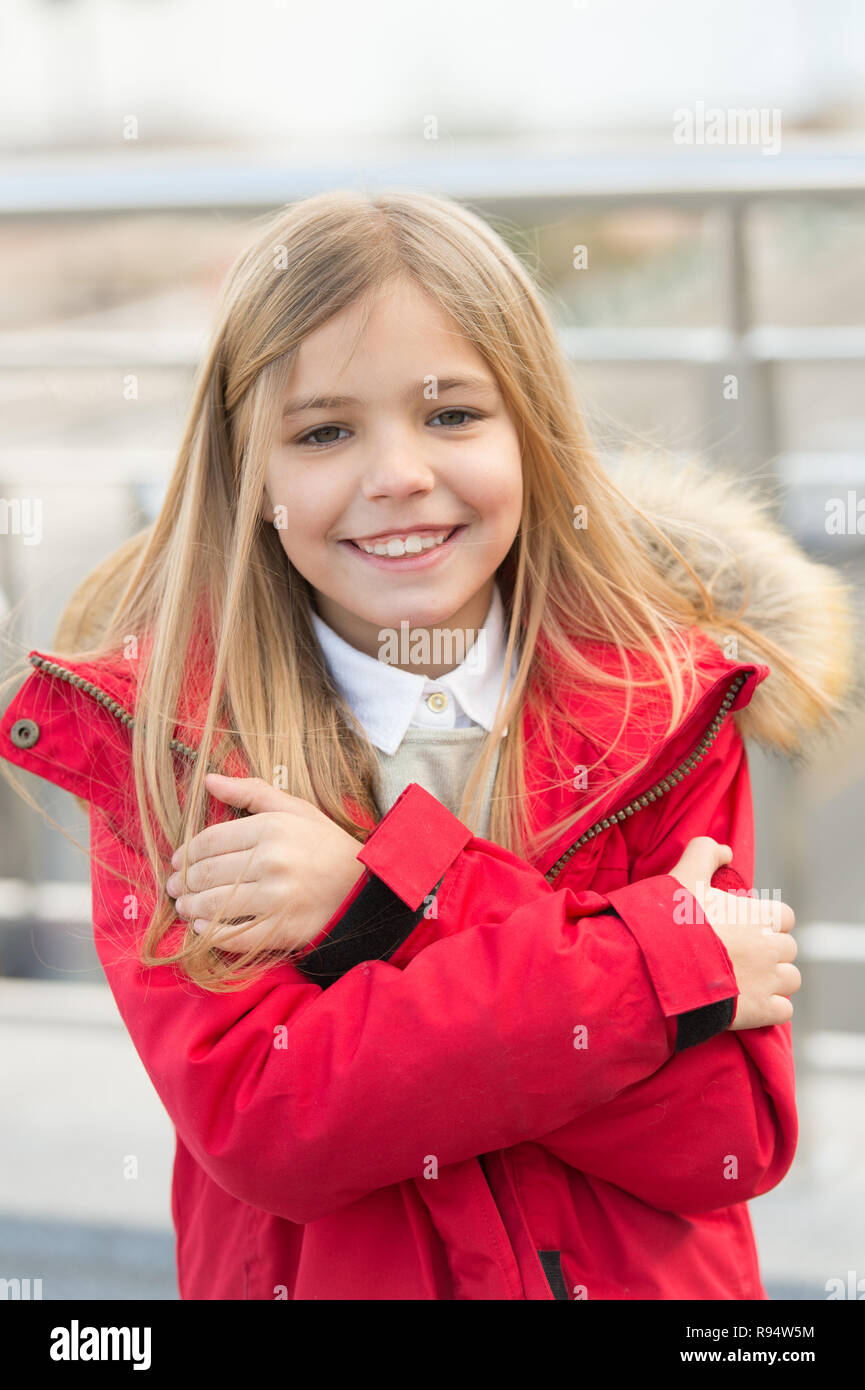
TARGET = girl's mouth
x,y
423,560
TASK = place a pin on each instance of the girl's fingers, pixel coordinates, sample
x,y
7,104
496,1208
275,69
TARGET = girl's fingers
x,y
788,917
749,910
200,924
225,837
789,979
216,872
237,938
245,900
775,914
753,909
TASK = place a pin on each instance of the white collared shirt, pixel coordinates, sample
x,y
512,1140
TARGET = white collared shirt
x,y
387,700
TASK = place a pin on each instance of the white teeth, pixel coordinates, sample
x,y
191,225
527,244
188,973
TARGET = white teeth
x,y
408,545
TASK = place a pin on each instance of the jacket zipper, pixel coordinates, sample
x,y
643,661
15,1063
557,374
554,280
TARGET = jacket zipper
x,y
117,709
103,698
660,788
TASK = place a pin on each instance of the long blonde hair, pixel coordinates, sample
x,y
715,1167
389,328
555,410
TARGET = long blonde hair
x,y
266,691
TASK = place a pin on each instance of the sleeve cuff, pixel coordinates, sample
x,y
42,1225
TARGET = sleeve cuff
x,y
686,958
414,844
405,860
699,1025
372,927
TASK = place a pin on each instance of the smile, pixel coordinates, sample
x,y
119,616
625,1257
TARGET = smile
x,y
412,544
413,551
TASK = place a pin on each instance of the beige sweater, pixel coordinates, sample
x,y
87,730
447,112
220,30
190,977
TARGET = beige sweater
x,y
441,761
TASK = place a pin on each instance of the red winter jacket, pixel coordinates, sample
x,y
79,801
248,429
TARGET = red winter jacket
x,y
487,1078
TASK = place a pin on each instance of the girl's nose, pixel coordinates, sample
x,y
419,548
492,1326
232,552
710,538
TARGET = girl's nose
x,y
397,469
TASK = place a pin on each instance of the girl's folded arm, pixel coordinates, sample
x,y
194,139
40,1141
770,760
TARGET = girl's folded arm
x,y
714,1126
300,1099
717,1123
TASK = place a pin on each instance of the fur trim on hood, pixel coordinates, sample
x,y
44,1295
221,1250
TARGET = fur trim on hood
x,y
725,531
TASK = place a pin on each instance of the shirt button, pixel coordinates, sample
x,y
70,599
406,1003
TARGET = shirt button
x,y
24,733
437,701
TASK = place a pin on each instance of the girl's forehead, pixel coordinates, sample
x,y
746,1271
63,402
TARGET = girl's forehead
x,y
395,344
401,314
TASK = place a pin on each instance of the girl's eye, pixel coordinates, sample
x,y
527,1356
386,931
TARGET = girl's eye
x,y
309,440
472,415
318,444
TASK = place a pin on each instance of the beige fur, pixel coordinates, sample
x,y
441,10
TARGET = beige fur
x,y
725,530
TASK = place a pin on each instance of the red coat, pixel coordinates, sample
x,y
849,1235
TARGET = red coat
x,y
498,1110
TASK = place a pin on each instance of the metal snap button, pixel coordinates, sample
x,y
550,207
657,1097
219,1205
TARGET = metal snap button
x,y
437,701
24,733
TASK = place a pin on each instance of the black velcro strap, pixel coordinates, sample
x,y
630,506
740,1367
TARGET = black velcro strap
x,y
551,1260
698,1025
371,928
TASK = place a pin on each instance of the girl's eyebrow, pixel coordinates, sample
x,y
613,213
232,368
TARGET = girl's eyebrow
x,y
482,384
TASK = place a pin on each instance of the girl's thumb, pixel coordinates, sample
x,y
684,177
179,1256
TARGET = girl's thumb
x,y
701,857
250,794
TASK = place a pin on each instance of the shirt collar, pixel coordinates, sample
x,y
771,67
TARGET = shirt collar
x,y
385,698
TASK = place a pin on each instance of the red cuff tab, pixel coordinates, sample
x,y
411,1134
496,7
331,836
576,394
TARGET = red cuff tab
x,y
687,960
413,845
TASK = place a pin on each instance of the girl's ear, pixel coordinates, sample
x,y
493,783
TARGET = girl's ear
x,y
266,507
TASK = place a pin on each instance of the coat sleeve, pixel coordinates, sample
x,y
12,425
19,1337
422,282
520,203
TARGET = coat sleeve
x,y
716,1124
300,1099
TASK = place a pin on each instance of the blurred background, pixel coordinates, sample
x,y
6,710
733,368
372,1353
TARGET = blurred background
x,y
709,157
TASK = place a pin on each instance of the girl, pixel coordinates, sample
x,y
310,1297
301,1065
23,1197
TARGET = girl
x,y
419,949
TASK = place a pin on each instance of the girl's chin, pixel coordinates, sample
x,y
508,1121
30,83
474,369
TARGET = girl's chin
x,y
368,605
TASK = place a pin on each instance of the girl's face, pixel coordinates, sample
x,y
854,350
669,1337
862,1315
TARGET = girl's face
x,y
418,442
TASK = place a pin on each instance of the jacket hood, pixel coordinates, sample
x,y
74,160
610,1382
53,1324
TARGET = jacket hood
x,y
726,533
804,608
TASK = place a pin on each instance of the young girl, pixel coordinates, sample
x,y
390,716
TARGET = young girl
x,y
419,947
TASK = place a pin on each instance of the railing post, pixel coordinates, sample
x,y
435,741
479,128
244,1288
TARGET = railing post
x,y
750,439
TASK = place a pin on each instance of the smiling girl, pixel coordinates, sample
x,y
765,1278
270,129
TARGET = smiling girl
x,y
422,951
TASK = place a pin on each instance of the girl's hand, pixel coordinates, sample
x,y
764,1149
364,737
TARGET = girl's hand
x,y
762,959
702,856
294,863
